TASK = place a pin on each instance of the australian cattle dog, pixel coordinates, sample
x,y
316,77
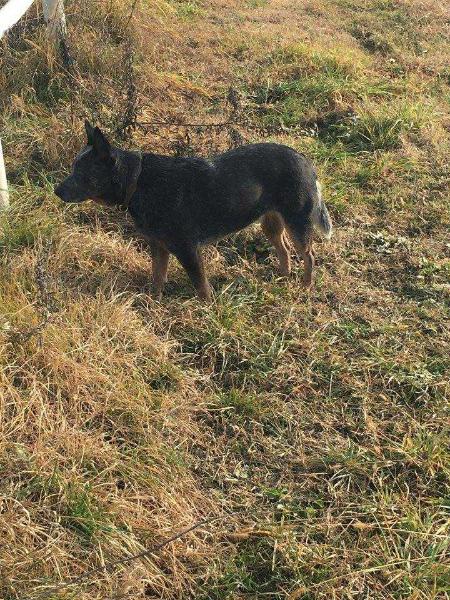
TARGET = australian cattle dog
x,y
178,204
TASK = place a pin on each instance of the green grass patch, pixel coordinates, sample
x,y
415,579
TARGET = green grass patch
x,y
382,127
187,9
83,514
243,404
304,82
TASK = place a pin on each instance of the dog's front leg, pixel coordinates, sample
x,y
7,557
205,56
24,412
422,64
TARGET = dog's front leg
x,y
160,262
191,259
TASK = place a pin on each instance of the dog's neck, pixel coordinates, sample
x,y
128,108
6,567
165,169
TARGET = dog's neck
x,y
129,172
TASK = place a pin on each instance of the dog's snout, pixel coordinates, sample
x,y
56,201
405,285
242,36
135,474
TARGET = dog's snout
x,y
68,191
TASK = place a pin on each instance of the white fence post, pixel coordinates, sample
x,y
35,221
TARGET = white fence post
x,y
55,18
4,196
10,13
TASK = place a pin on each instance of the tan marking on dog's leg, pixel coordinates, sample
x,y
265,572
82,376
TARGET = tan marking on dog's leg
x,y
304,250
160,263
201,282
273,226
309,262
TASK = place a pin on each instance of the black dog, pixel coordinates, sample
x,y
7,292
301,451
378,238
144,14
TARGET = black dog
x,y
178,204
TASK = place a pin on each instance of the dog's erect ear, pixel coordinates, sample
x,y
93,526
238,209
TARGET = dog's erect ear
x,y
89,133
101,144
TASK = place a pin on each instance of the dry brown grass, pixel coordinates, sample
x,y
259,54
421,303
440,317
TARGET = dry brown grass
x,y
315,426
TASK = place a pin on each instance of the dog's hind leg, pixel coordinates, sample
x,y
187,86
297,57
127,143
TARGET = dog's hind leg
x,y
160,263
273,226
191,259
300,231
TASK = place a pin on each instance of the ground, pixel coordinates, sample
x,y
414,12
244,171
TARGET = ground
x,y
314,426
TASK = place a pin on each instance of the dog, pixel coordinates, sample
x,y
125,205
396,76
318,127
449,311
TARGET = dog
x,y
181,203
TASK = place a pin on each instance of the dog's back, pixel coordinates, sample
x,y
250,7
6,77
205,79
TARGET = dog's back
x,y
213,198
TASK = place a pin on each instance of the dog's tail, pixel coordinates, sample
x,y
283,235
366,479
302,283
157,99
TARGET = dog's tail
x,y
320,215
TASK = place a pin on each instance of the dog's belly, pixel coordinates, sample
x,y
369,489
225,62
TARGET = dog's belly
x,y
218,221
230,212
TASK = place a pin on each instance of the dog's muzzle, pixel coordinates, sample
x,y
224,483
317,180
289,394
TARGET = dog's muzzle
x,y
68,191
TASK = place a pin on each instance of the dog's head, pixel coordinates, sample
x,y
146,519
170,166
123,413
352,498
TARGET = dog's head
x,y
95,173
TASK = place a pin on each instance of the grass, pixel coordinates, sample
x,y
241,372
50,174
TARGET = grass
x,y
187,10
315,425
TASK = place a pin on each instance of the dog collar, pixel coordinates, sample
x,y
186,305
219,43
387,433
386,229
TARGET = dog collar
x,y
132,185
